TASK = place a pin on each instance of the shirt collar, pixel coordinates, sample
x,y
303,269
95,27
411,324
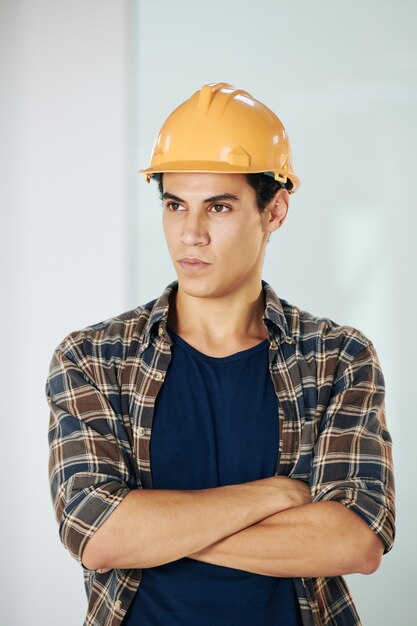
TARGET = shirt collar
x,y
274,316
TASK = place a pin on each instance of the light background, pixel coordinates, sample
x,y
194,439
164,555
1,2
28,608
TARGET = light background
x,y
85,87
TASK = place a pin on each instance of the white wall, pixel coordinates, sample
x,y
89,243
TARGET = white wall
x,y
86,87
68,173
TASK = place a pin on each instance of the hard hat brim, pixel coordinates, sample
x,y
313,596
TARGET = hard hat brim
x,y
215,168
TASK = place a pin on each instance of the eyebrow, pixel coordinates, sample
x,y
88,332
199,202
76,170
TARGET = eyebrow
x,y
218,198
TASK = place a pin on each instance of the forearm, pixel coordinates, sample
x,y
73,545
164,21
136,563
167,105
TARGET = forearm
x,y
156,526
314,540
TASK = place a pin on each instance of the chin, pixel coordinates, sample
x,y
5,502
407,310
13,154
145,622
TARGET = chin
x,y
203,288
196,287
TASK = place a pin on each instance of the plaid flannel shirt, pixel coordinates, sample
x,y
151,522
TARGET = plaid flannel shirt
x,y
101,389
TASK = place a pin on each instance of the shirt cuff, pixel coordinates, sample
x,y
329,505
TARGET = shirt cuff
x,y
369,500
96,497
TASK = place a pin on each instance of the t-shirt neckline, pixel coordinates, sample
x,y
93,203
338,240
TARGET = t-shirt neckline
x,y
242,354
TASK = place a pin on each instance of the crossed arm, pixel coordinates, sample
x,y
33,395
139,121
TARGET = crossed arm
x,y
303,539
317,539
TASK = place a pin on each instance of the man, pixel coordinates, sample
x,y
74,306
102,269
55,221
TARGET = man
x,y
218,455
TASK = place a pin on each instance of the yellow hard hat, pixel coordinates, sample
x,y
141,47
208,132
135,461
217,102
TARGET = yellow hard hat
x,y
224,130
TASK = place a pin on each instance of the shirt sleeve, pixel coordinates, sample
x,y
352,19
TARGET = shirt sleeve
x,y
89,461
352,461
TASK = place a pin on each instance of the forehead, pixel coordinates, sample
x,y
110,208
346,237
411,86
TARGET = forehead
x,y
201,183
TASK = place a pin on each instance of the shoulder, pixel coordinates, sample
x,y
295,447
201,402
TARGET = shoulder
x,y
312,333
109,339
331,352
324,338
120,336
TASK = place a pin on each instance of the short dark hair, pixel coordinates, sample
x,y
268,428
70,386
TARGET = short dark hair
x,y
264,185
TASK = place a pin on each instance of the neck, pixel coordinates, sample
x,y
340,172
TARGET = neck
x,y
222,319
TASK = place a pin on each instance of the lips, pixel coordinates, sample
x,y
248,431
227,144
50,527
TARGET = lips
x,y
193,265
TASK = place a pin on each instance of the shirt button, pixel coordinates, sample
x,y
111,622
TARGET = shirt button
x,y
159,376
141,431
274,345
118,605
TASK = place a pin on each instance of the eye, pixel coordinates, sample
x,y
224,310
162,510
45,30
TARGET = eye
x,y
173,206
223,206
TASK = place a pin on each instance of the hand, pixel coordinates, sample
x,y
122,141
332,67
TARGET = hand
x,y
103,570
286,492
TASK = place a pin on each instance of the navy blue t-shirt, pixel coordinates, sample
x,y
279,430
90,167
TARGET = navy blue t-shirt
x,y
215,423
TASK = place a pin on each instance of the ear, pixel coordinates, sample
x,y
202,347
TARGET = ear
x,y
278,209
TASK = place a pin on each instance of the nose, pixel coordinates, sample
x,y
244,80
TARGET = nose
x,y
194,232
